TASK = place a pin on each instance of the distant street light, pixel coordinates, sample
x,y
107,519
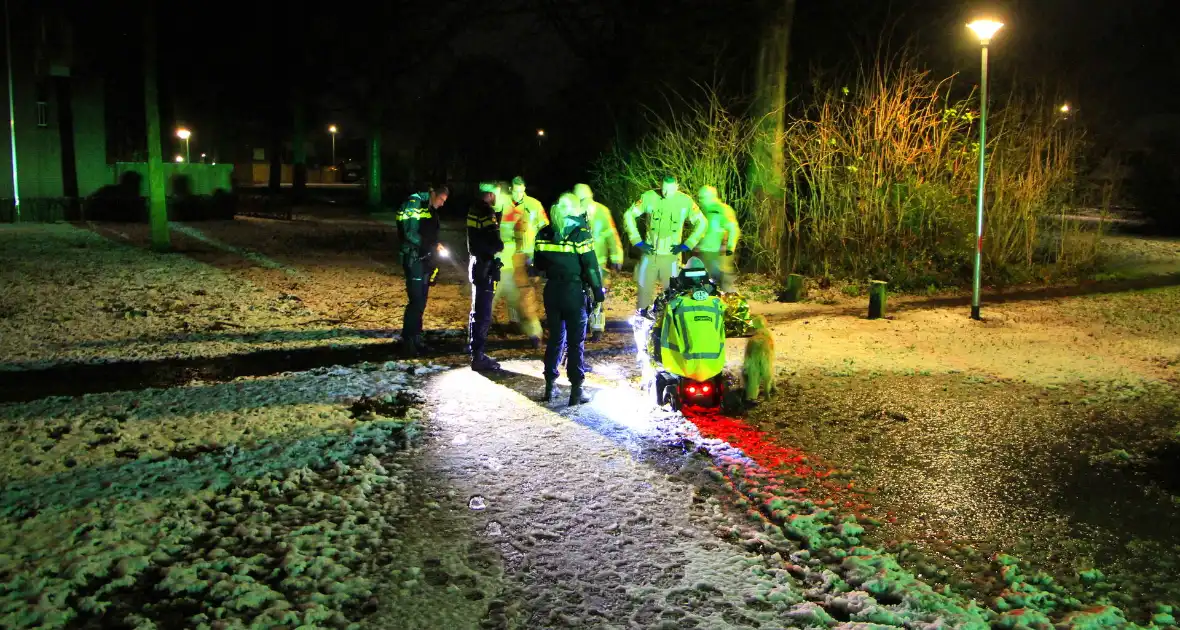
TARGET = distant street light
x,y
332,130
1064,109
541,133
184,134
202,158
179,159
984,29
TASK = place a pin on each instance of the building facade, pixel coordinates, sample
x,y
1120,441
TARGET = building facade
x,y
58,111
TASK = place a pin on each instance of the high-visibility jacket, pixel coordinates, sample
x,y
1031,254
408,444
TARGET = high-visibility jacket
x,y
607,246
722,232
666,217
516,232
538,218
417,226
692,336
568,260
483,241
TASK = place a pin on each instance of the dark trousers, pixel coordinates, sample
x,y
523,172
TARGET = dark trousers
x,y
565,312
589,306
417,289
482,293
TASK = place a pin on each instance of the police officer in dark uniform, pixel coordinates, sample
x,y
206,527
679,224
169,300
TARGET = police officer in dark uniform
x,y
564,253
417,227
483,243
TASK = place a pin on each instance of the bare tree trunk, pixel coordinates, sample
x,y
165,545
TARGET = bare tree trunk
x,y
158,202
767,169
299,150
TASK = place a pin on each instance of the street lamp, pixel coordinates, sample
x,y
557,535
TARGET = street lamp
x,y
184,134
1064,109
332,130
179,159
984,29
202,158
540,136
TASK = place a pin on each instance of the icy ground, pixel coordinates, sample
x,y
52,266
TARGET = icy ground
x,y
612,516
310,500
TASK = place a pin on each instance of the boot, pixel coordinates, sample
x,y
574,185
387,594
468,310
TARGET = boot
x,y
484,364
577,397
548,395
535,342
595,336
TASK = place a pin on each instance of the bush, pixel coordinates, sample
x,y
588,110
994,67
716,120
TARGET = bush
x,y
881,182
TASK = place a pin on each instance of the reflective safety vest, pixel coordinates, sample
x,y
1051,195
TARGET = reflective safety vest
x,y
692,336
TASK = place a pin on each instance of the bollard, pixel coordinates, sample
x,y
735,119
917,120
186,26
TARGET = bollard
x,y
794,290
877,299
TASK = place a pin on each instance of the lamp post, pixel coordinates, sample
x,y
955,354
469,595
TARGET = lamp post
x,y
184,134
202,158
11,117
180,159
984,29
540,136
332,130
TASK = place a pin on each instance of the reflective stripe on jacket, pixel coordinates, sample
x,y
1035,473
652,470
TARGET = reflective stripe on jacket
x,y
666,217
692,336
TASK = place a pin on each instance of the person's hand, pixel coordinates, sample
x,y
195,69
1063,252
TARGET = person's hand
x,y
645,248
616,267
729,252
599,295
681,248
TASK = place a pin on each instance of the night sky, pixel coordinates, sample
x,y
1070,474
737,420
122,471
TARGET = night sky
x,y
478,78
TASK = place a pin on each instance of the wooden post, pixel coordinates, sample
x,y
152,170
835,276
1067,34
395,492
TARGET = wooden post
x,y
877,299
794,290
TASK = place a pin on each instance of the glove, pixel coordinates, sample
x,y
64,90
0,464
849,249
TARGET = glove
x,y
645,248
681,248
616,267
729,252
599,295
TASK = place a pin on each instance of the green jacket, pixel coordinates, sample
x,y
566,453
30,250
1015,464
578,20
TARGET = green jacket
x,y
568,259
722,232
666,218
417,226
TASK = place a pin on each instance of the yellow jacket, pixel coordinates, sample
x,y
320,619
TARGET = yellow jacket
x,y
666,217
607,246
692,336
723,232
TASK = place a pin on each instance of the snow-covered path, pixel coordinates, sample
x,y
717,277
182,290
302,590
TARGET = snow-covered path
x,y
589,534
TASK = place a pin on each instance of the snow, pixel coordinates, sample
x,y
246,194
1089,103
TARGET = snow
x,y
284,514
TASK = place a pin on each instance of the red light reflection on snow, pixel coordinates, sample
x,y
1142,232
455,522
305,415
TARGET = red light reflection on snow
x,y
762,448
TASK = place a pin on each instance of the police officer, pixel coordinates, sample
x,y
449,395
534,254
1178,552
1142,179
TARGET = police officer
x,y
564,252
483,244
721,238
667,210
608,249
417,227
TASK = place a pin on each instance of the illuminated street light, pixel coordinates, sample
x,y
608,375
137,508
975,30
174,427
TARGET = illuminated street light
x,y
984,29
332,130
541,133
179,159
184,134
1064,109
202,158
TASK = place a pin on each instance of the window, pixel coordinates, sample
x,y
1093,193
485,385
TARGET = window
x,y
42,114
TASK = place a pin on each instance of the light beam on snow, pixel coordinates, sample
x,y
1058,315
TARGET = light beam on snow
x,y
269,263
